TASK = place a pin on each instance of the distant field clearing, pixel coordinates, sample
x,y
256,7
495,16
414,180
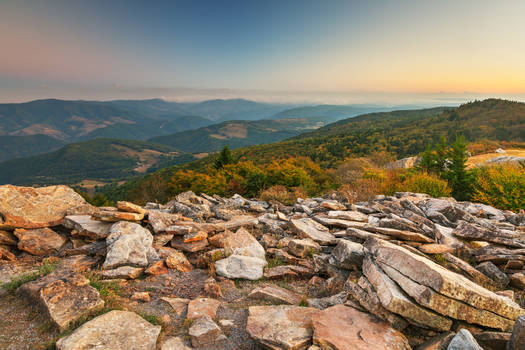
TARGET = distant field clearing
x,y
483,158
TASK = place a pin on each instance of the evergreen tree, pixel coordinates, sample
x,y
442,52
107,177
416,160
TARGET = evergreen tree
x,y
225,157
459,178
440,158
428,160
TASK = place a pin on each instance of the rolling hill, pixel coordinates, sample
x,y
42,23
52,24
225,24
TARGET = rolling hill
x,y
104,160
23,146
237,133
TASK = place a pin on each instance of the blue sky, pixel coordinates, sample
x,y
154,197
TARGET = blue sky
x,y
333,51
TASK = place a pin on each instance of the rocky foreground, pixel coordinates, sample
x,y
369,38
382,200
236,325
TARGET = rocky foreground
x,y
401,272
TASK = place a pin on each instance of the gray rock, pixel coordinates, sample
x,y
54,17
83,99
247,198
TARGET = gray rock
x,y
347,255
492,271
174,343
308,228
129,244
517,339
204,332
85,226
240,266
464,341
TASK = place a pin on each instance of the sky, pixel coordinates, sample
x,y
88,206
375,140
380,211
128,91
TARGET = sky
x,y
280,51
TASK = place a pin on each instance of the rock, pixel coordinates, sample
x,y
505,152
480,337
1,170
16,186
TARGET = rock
x,y
126,272
281,327
303,247
441,280
130,207
437,342
339,222
113,330
115,216
347,255
7,238
190,247
348,215
27,207
65,295
323,303
333,205
233,224
276,295
434,248
517,280
242,243
157,268
160,221
85,226
464,341
178,304
492,340
204,332
174,343
5,254
400,234
212,288
40,241
340,328
517,339
240,266
141,296
490,270
200,307
308,228
288,271
467,269
475,233
129,244
161,239
195,236
396,301
177,260
447,306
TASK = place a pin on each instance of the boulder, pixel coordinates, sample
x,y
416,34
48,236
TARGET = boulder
x,y
205,332
493,272
127,272
200,307
281,327
308,228
178,304
400,234
464,341
517,280
174,343
476,233
517,339
323,303
492,340
130,207
160,221
276,295
428,273
85,226
39,241
177,260
178,243
129,244
113,330
434,248
303,247
7,238
240,266
65,295
27,207
340,328
195,236
243,243
115,216
396,301
348,215
347,255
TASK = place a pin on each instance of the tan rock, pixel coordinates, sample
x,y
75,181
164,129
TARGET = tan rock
x,y
447,306
178,304
177,260
448,283
127,272
400,234
303,247
157,268
130,207
288,271
178,243
276,294
205,332
40,241
174,343
115,216
281,327
517,280
7,238
5,254
141,296
333,222
348,215
396,301
113,330
434,248
27,207
85,226
340,328
242,243
195,236
160,221
200,307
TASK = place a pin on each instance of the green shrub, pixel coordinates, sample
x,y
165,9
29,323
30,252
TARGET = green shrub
x,y
427,183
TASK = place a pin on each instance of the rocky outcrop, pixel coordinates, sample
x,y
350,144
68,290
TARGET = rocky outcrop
x,y
113,330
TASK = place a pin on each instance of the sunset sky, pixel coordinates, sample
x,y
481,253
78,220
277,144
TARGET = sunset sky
x,y
317,51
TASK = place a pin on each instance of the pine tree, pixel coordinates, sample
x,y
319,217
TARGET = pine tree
x,y
428,160
225,157
459,178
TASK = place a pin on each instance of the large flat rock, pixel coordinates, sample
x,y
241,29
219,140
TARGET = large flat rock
x,y
113,330
243,243
85,226
27,207
308,228
340,328
281,327
39,241
428,273
240,266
